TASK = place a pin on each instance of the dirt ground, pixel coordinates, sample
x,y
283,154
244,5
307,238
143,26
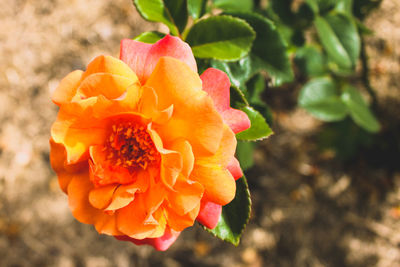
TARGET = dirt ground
x,y
309,209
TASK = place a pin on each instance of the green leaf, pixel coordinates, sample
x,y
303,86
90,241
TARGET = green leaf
x,y
235,215
196,8
310,61
238,99
345,7
149,37
254,90
359,110
320,98
244,153
172,13
326,5
346,30
259,128
269,50
221,37
282,8
238,72
339,36
234,5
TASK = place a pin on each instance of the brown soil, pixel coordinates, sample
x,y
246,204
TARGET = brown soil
x,y
309,209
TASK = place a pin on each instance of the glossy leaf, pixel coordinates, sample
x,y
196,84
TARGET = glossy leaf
x,y
244,153
149,37
238,99
310,60
235,215
345,6
259,128
346,30
221,37
172,13
326,5
234,5
339,36
320,98
238,72
254,93
359,110
196,8
269,50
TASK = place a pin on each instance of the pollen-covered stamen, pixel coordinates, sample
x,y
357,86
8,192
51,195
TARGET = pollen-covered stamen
x,y
129,145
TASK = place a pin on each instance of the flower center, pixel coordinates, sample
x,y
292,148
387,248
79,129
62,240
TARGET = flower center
x,y
130,145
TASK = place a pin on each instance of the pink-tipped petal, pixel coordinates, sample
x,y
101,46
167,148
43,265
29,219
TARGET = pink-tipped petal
x,y
234,168
209,214
160,243
134,54
143,58
217,85
236,119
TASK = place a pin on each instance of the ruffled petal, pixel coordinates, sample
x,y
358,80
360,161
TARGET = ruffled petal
x,y
125,194
77,135
148,106
179,222
57,159
143,58
67,88
234,168
237,120
111,86
226,150
195,117
185,149
131,219
209,214
186,197
216,83
110,65
83,211
161,244
218,182
101,197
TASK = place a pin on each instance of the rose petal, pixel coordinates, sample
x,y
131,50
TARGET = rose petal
x,y
185,149
237,120
83,211
179,222
186,196
109,85
67,88
209,214
218,182
195,117
216,83
148,106
110,65
234,168
161,243
101,197
143,58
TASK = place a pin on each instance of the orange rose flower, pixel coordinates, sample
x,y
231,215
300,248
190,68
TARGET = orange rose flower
x,y
143,146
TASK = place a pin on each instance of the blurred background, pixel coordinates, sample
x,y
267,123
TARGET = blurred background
x,y
318,199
